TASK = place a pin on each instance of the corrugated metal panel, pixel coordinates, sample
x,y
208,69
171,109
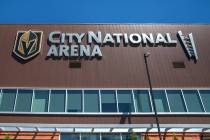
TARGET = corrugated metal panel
x,y
119,67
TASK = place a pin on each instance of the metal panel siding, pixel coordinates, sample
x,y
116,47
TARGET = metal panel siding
x,y
120,67
100,119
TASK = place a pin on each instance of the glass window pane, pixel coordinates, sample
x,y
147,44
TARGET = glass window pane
x,y
40,101
8,99
74,101
70,137
110,137
205,95
131,136
90,137
23,102
1,94
176,101
142,100
160,101
91,101
108,101
57,101
192,100
125,101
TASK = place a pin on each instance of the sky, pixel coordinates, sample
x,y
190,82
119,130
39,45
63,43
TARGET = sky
x,y
104,11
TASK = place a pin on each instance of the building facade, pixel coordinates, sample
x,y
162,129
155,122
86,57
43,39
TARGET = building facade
x,y
104,82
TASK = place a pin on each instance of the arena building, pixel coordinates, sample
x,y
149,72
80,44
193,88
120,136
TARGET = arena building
x,y
105,82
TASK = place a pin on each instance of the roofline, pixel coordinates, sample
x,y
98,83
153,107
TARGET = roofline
x,y
106,23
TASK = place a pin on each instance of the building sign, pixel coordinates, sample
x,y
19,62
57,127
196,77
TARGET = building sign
x,y
88,44
188,45
27,44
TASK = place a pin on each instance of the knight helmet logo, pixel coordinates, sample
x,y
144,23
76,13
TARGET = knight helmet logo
x,y
27,44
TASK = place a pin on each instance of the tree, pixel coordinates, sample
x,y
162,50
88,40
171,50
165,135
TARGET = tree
x,y
174,137
133,136
146,137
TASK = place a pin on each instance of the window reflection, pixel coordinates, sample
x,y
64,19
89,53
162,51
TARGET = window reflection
x,y
8,99
40,101
193,101
57,101
205,95
176,101
24,99
142,100
108,101
74,101
160,101
91,101
125,101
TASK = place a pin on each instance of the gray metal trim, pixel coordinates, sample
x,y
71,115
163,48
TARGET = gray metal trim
x,y
110,23
113,88
201,101
109,113
99,96
169,107
15,100
151,103
83,101
66,100
49,100
185,101
116,98
134,102
0,96
58,127
193,46
32,100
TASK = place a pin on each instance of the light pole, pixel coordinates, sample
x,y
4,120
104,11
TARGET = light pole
x,y
146,55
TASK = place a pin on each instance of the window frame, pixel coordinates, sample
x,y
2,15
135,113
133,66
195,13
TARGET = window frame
x,y
199,99
108,113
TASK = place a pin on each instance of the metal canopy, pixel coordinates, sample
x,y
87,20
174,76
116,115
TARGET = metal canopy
x,y
103,128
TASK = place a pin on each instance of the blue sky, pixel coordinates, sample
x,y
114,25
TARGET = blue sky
x,y
104,11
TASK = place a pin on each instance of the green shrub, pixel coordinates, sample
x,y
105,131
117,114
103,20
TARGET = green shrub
x,y
133,136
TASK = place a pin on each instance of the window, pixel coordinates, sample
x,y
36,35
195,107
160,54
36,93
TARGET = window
x,y
90,136
125,101
192,100
128,136
70,137
205,95
142,100
91,101
160,101
1,94
105,100
205,137
40,101
8,99
108,101
110,137
74,101
57,101
24,99
176,101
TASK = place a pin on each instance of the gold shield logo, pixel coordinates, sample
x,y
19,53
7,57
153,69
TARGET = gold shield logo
x,y
27,44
